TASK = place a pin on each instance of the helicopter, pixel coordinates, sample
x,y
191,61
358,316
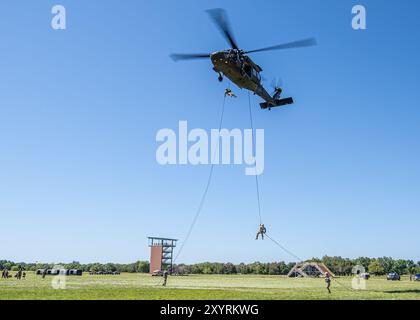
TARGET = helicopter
x,y
237,66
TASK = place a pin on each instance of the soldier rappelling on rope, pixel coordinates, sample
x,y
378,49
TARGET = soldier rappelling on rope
x,y
237,65
262,231
229,93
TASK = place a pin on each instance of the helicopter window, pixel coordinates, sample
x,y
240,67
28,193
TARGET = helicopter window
x,y
248,70
255,74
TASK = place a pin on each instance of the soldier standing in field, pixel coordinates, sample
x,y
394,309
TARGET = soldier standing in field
x,y
328,281
20,273
165,278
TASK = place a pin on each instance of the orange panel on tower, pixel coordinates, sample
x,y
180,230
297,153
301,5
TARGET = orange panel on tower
x,y
161,254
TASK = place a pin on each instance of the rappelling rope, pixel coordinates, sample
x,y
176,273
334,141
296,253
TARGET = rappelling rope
x,y
259,201
284,248
257,185
206,189
301,260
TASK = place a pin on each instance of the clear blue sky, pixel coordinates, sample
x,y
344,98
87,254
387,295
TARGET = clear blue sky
x,y
79,111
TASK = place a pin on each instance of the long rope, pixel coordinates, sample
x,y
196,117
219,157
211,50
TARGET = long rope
x,y
284,248
206,189
259,199
301,260
257,185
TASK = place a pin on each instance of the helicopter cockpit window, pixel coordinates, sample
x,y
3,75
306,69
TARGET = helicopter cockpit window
x,y
255,74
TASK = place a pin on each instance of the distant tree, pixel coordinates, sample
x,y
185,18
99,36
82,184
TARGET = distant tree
x,y
242,268
387,264
363,261
73,265
219,268
376,268
143,266
400,266
8,265
230,268
259,268
96,267
411,267
338,265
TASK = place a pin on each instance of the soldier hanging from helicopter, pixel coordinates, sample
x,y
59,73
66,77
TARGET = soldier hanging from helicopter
x,y
229,93
262,231
237,65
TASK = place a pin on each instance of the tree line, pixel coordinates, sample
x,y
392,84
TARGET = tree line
x,y
136,267
338,265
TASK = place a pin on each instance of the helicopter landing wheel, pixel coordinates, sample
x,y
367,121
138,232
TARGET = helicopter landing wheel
x,y
220,78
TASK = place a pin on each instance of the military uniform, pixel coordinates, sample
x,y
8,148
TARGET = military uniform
x,y
229,93
328,282
261,232
165,278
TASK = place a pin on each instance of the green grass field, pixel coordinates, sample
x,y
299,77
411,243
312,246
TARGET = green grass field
x,y
203,287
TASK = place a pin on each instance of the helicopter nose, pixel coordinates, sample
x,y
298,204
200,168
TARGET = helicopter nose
x,y
217,56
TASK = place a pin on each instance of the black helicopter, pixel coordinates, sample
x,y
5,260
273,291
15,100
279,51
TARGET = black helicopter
x,y
238,67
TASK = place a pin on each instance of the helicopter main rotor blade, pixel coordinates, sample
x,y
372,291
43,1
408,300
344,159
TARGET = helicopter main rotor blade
x,y
220,18
290,45
180,56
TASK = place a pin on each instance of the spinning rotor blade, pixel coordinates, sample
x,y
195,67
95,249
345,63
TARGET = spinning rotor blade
x,y
277,83
296,44
177,57
220,18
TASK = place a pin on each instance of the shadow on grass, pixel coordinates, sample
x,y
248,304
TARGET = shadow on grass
x,y
404,291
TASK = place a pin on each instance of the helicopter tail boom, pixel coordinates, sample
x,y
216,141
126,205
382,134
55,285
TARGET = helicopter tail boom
x,y
276,103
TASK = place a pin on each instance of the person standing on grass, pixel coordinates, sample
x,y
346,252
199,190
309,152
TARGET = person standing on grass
x,y
165,278
328,281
